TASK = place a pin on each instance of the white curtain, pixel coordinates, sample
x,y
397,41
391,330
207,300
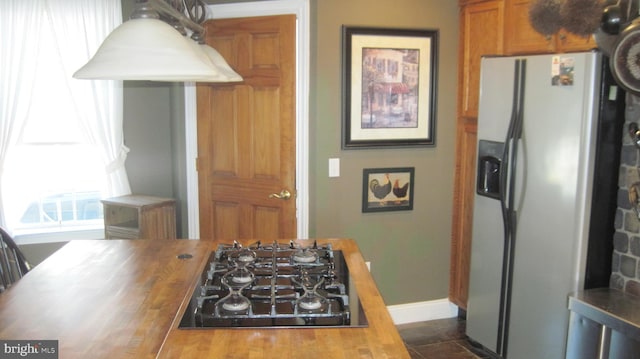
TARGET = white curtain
x,y
19,20
79,27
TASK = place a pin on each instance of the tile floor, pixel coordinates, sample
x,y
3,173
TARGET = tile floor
x,y
438,339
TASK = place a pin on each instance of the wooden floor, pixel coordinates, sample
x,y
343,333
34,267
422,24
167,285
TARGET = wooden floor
x,y
438,339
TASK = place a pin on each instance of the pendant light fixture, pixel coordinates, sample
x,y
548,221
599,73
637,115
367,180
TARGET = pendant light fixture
x,y
154,45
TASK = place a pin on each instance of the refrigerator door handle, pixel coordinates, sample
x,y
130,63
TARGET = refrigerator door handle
x,y
514,134
509,214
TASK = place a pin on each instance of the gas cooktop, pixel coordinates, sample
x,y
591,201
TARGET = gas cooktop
x,y
274,285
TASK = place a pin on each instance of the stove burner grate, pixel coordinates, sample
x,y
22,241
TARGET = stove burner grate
x,y
274,285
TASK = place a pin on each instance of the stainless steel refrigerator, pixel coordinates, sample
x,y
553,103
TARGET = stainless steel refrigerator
x,y
549,139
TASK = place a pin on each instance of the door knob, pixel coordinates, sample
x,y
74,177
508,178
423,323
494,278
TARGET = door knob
x,y
284,194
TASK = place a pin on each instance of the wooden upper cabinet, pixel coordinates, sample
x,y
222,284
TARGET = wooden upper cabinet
x,y
521,38
481,34
568,42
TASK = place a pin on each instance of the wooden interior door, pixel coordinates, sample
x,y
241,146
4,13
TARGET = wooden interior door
x,y
246,132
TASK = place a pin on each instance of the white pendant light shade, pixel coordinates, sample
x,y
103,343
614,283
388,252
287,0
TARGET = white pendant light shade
x,y
225,72
150,49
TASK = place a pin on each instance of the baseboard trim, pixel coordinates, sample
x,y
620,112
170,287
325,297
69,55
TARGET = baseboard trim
x,y
422,311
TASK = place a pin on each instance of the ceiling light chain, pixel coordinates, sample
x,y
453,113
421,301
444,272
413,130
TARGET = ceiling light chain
x,y
196,10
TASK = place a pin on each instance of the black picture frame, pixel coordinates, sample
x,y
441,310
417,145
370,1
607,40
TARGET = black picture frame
x,y
389,82
380,192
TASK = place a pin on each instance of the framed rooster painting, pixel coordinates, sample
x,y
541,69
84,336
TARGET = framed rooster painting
x,y
387,189
389,87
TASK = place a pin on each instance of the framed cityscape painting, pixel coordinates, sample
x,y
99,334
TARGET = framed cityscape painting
x,y
389,87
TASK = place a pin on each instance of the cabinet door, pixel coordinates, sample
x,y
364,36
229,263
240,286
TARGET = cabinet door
x,y
481,34
520,37
568,42
466,137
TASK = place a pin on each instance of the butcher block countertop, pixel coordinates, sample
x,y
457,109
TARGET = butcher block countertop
x,y
125,298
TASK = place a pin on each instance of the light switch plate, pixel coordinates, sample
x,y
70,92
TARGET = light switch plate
x,y
334,167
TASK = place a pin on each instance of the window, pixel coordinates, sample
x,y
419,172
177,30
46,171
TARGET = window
x,y
62,137
52,171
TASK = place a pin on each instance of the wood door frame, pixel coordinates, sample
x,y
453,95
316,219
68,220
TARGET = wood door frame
x,y
260,8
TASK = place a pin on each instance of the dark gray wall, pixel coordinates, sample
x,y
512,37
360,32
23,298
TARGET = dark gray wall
x,y
154,133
